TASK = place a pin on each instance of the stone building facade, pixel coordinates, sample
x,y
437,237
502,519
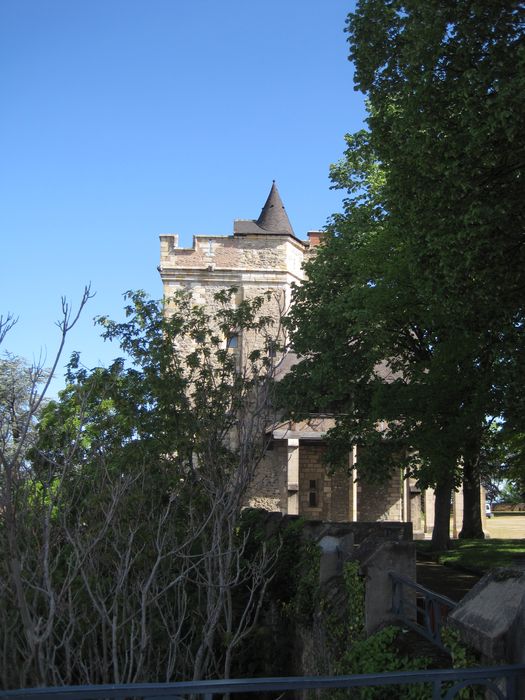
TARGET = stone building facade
x,y
261,255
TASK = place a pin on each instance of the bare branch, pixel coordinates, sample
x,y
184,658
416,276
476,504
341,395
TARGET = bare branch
x,y
6,324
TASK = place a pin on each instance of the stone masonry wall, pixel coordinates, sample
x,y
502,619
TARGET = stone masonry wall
x,y
330,493
253,265
384,502
223,255
268,488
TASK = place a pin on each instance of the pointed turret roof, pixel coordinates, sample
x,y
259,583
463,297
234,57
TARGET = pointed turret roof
x,y
273,218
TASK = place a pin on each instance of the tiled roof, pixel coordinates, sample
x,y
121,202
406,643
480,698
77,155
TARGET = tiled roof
x,y
273,218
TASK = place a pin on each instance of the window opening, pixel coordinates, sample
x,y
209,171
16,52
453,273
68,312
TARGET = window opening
x,y
312,494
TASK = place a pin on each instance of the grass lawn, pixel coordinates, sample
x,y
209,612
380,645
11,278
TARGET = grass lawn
x,y
477,555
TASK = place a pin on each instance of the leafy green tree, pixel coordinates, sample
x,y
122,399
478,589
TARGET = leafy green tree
x,y
446,90
413,313
512,493
502,464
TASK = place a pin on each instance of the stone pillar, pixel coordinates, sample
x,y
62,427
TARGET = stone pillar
x,y
457,515
292,476
377,559
429,510
406,515
353,484
482,502
416,516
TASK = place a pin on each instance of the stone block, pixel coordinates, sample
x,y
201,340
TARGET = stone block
x,y
346,546
491,617
377,559
330,564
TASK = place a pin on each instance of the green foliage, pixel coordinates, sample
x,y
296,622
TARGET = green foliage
x,y
479,555
416,297
295,580
355,591
462,657
293,595
378,654
306,600
288,545
513,493
355,653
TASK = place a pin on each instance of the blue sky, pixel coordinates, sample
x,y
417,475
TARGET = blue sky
x,y
124,119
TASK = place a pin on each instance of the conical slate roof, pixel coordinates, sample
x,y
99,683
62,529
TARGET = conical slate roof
x,y
274,218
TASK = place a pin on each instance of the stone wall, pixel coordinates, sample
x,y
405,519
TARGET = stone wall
x,y
321,496
253,265
261,260
256,252
381,501
268,487
316,530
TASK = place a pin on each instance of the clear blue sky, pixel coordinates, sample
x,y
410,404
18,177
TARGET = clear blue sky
x,y
124,119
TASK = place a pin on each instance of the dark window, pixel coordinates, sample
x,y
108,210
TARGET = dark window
x,y
233,341
312,494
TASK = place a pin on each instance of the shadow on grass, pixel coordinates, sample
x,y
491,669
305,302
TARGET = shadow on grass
x,y
478,556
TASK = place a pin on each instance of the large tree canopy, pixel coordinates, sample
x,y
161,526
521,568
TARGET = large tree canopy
x,y
413,312
446,88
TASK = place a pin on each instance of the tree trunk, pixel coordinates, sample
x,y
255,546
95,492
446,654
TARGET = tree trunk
x,y
441,531
472,527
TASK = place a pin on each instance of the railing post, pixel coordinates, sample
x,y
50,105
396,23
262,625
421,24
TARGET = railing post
x,y
433,607
438,619
511,687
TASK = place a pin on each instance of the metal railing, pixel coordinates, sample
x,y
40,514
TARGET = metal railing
x,y
419,608
442,685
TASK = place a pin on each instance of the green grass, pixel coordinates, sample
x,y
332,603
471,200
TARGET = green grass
x,y
477,555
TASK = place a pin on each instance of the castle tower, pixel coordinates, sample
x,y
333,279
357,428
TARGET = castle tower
x,y
265,254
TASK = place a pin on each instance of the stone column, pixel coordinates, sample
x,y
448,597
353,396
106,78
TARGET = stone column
x,y
429,510
406,515
292,477
457,515
353,481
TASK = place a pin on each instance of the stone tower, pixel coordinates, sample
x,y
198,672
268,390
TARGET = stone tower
x,y
265,254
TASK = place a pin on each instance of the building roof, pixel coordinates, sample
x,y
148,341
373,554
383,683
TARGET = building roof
x,y
273,218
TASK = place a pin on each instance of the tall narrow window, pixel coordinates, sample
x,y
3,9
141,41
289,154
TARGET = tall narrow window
x,y
232,342
312,494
